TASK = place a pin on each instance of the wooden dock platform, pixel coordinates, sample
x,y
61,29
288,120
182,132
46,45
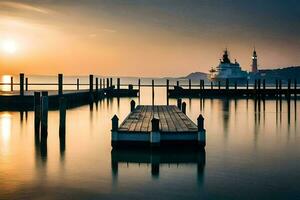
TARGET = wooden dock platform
x,y
157,126
23,99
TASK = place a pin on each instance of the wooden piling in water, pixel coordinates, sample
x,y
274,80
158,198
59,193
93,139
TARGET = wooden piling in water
x,y
62,116
111,82
179,103
77,84
183,107
118,83
152,92
247,86
100,80
132,105
97,84
91,79
227,84
21,84
11,83
107,82
26,84
37,114
177,83
60,84
190,84
295,88
167,90
211,85
219,85
44,116
235,85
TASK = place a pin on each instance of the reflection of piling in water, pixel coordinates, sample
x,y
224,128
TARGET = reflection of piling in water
x,y
157,157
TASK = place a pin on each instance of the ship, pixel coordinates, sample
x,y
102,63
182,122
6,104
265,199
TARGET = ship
x,y
228,70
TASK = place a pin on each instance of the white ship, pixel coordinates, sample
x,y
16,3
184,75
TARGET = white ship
x,y
228,70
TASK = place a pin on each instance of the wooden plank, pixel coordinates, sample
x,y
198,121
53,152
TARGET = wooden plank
x,y
147,119
171,125
179,120
163,121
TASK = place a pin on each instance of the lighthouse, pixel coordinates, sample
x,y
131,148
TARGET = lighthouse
x,y
254,62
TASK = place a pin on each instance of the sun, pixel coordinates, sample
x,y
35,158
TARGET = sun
x,y
9,46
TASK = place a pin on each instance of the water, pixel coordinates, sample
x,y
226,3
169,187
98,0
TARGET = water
x,y
252,152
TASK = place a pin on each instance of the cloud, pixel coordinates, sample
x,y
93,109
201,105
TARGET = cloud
x,y
22,6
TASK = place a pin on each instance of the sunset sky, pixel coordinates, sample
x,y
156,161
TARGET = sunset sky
x,y
145,37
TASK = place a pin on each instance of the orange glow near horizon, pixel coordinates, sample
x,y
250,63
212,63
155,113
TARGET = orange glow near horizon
x,y
50,39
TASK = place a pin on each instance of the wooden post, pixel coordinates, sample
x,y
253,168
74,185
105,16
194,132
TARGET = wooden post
x,y
115,123
26,84
211,85
295,88
139,85
107,82
235,85
259,83
62,116
155,124
97,84
100,83
37,114
118,83
201,131
200,123
44,116
247,86
289,88
227,84
91,83
60,84
78,84
11,83
264,84
255,84
183,107
179,103
152,92
219,85
111,82
177,83
190,84
167,91
132,105
22,84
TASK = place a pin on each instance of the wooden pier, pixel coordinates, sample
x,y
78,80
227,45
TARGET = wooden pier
x,y
157,126
23,99
235,90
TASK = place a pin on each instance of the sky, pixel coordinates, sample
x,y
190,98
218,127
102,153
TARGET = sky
x,y
145,37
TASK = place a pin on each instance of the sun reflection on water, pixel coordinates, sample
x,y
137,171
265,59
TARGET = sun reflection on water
x,y
5,79
5,128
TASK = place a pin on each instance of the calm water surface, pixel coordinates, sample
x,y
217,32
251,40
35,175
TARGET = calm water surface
x,y
252,152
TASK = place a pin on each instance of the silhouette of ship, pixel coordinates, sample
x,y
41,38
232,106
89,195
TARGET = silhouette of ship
x,y
228,70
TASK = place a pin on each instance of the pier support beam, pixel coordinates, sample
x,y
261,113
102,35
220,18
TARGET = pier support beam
x,y
132,105
118,84
11,83
26,84
201,131
37,115
91,77
183,107
155,134
179,103
22,84
77,84
44,117
114,130
60,84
